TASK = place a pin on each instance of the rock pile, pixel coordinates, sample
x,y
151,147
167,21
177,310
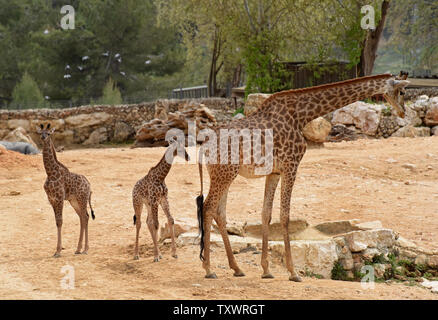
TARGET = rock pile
x,y
375,120
91,125
154,131
335,249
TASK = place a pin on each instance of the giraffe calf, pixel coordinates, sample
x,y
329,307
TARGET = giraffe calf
x,y
62,185
151,191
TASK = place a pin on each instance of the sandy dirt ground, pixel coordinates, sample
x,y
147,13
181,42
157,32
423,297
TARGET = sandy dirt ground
x,y
364,180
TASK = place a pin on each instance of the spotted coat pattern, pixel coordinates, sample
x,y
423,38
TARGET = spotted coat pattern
x,y
151,191
286,113
62,185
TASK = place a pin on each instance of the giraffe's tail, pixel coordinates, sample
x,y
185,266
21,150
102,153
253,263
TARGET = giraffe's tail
x,y
91,208
200,206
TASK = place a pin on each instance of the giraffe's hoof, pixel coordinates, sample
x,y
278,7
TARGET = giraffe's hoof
x,y
211,276
160,256
77,252
295,278
175,256
267,276
156,260
239,274
57,255
85,252
136,257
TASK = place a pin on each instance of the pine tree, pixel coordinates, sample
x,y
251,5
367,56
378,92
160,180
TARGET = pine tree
x,y
26,94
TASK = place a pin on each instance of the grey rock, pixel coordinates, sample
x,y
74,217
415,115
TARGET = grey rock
x,y
22,147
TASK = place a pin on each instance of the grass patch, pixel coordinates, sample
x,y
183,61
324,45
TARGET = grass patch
x,y
239,110
310,274
338,272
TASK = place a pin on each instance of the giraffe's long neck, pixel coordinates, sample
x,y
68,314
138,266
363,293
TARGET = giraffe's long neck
x,y
161,170
307,105
49,157
51,163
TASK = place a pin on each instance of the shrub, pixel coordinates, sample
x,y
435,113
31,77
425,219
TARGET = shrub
x,y
111,94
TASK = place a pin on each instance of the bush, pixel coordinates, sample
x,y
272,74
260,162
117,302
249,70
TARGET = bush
x,y
111,94
26,94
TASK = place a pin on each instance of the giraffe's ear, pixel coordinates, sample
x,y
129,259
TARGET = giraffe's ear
x,y
39,128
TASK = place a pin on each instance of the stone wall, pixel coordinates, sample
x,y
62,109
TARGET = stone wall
x,y
98,124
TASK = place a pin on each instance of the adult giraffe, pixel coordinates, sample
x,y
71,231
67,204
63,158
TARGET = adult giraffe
x,y
285,114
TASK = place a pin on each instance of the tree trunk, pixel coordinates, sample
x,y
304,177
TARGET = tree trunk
x,y
214,68
236,76
371,43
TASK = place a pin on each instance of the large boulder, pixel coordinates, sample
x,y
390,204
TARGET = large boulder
x,y
412,132
122,132
387,126
420,105
3,133
317,130
65,137
364,116
98,136
431,118
156,129
382,239
411,118
434,131
20,135
21,147
317,256
254,101
19,123
87,120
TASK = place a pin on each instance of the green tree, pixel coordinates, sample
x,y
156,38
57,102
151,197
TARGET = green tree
x,y
26,94
412,34
112,38
111,94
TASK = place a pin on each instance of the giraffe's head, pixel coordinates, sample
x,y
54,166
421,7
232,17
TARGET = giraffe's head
x,y
45,133
176,146
395,91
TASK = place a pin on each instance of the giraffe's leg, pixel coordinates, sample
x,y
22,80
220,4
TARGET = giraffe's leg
x,y
80,211
165,205
208,217
270,186
138,208
287,182
222,225
152,221
57,208
86,217
221,178
81,235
